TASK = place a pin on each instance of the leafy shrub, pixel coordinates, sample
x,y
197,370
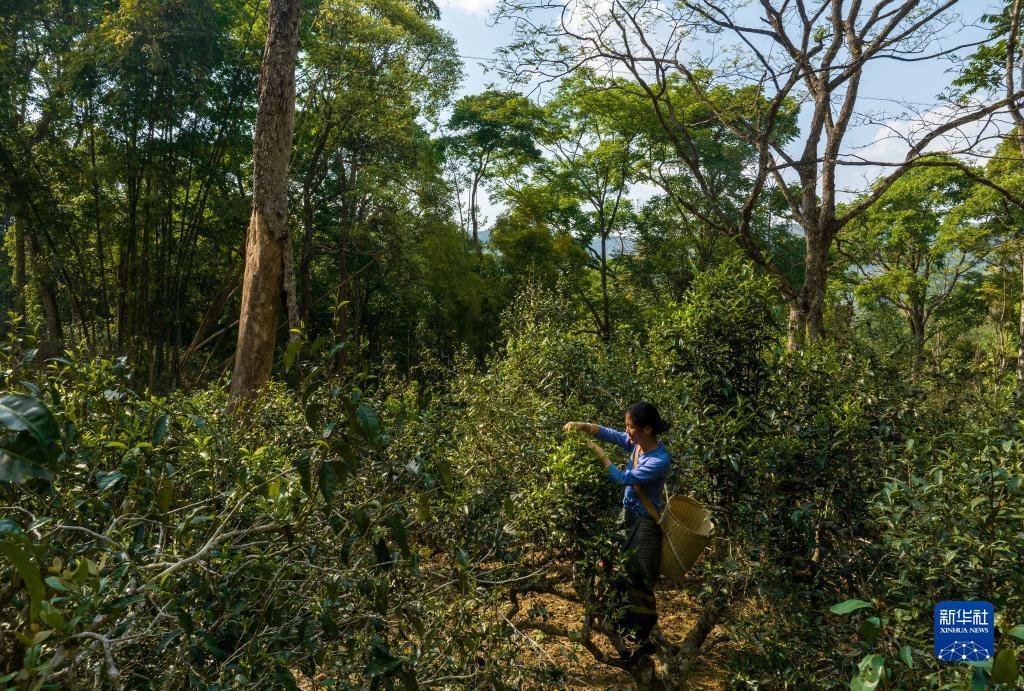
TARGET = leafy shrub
x,y
178,544
788,449
810,462
503,441
949,519
567,503
308,538
720,332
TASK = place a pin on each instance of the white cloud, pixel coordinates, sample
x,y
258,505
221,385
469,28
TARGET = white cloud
x,y
888,143
587,17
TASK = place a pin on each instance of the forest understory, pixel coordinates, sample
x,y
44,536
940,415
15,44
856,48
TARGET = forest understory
x,y
306,315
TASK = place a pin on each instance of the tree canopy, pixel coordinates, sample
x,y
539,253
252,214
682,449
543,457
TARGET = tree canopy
x,y
295,321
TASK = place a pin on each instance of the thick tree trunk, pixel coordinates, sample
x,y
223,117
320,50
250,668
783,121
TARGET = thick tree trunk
x,y
268,228
815,276
807,308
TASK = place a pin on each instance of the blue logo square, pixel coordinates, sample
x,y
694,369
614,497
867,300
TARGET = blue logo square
x,y
964,631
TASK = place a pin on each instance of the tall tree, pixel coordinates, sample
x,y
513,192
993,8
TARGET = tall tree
x,y
916,249
125,135
492,129
810,56
999,65
535,241
376,74
268,246
592,159
996,207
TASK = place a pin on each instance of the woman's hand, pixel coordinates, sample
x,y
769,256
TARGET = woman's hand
x,y
588,427
605,461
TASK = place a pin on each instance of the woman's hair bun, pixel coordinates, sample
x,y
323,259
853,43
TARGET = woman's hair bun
x,y
645,414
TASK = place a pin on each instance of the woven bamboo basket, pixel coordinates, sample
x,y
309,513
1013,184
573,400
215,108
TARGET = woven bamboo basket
x,y
686,529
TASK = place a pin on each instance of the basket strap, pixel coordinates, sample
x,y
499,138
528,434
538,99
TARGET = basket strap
x,y
640,490
653,511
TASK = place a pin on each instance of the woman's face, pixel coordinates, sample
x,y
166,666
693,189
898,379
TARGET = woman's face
x,y
635,432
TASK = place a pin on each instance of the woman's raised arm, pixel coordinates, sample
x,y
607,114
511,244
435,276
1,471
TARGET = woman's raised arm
x,y
606,434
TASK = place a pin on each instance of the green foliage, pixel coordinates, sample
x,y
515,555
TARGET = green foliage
x,y
785,448
495,127
918,250
201,545
125,156
368,533
496,473
985,69
361,524
30,450
568,502
848,606
949,521
536,247
721,333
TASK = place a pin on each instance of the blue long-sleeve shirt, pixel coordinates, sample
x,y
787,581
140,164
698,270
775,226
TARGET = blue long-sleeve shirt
x,y
650,472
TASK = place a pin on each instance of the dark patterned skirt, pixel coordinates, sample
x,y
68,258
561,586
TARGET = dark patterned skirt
x,y
642,548
637,611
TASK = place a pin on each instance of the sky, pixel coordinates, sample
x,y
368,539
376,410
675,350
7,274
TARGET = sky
x,y
469,22
898,93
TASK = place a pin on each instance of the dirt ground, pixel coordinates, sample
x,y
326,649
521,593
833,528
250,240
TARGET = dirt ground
x,y
676,614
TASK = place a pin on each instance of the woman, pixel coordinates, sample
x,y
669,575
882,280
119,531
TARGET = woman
x,y
644,479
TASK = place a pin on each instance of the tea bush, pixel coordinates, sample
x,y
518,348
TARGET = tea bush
x,y
834,476
174,543
361,539
503,440
950,519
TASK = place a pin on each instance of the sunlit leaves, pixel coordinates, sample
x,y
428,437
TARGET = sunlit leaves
x,y
918,249
869,673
